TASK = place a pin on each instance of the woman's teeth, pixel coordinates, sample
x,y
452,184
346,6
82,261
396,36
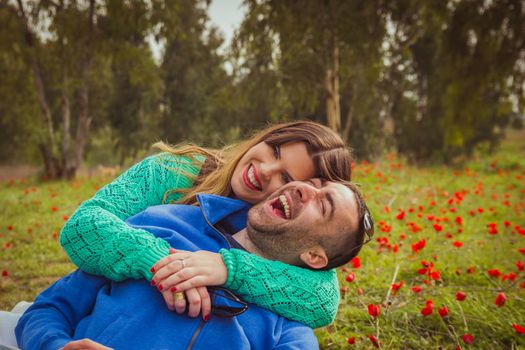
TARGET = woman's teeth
x,y
251,178
286,206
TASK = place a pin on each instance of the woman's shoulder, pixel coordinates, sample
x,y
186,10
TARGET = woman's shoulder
x,y
170,160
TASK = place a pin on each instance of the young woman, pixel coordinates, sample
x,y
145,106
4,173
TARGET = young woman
x,y
98,240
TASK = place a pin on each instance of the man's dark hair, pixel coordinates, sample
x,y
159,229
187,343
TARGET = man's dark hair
x,y
347,244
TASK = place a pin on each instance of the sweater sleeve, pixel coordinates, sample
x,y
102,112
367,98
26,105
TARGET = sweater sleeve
x,y
303,295
97,239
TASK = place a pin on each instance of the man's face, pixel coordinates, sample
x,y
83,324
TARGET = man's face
x,y
298,215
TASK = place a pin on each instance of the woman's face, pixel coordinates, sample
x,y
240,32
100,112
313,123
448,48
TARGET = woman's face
x,y
263,169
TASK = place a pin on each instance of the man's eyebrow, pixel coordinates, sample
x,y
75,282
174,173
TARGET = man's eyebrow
x,y
330,199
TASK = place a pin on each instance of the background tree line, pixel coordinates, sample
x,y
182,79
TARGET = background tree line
x,y
435,80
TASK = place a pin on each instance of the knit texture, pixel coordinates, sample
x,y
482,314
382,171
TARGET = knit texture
x,y
98,241
310,297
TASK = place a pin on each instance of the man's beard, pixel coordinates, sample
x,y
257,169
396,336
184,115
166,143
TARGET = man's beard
x,y
280,242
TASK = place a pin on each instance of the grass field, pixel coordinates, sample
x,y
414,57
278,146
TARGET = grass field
x,y
441,234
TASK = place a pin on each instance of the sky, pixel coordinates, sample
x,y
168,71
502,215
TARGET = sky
x,y
227,15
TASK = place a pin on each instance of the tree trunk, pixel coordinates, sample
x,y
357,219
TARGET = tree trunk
x,y
48,147
331,79
84,118
349,115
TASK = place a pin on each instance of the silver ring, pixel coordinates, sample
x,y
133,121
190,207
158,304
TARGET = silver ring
x,y
182,263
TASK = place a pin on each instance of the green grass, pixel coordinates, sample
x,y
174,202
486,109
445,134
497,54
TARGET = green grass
x,y
32,257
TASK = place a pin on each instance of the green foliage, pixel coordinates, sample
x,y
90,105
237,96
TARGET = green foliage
x,y
435,80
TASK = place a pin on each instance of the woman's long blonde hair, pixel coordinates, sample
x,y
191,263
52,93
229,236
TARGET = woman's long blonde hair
x,y
332,159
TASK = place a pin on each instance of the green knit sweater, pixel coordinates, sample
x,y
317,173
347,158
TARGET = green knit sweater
x,y
98,241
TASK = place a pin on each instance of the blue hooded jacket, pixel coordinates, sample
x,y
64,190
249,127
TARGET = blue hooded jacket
x,y
132,314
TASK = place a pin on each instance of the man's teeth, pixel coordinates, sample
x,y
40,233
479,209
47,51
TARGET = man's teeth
x,y
251,177
286,206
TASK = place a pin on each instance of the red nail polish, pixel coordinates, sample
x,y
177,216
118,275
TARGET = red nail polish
x,y
161,287
206,318
153,282
152,269
173,289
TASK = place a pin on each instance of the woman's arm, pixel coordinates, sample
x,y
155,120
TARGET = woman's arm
x,y
97,239
307,296
303,295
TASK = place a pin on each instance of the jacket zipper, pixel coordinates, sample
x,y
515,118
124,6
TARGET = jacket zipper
x,y
195,335
198,330
214,228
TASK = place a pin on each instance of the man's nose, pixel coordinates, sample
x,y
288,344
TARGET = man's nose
x,y
307,191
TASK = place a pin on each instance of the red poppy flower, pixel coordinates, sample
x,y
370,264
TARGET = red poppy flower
x,y
494,272
374,340
397,286
428,309
518,328
351,340
459,220
416,289
5,273
443,311
401,215
471,269
374,310
430,217
500,299
460,296
356,262
511,276
458,244
416,247
350,277
468,339
520,265
438,227
507,223
54,208
359,291
10,228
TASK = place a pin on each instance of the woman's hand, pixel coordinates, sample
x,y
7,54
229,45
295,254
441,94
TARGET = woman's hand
x,y
197,300
183,270
188,272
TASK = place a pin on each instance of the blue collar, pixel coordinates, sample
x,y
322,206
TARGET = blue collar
x,y
217,208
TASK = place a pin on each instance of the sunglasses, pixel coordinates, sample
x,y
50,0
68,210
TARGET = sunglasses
x,y
225,304
368,226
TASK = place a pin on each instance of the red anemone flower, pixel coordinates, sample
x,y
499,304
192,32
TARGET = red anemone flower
x,y
518,328
374,310
500,299
468,339
460,296
350,277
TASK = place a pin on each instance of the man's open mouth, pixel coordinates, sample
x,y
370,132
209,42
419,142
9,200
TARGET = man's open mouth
x,y
281,207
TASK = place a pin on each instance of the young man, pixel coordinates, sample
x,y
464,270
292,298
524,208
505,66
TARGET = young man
x,y
315,225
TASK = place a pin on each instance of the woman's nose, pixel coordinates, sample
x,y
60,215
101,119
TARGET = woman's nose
x,y
268,170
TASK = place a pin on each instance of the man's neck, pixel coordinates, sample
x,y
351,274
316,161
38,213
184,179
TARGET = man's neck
x,y
242,238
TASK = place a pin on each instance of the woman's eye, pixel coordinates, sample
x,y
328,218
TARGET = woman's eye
x,y
286,178
277,152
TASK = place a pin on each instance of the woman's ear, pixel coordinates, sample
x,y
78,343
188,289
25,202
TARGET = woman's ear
x,y
315,257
